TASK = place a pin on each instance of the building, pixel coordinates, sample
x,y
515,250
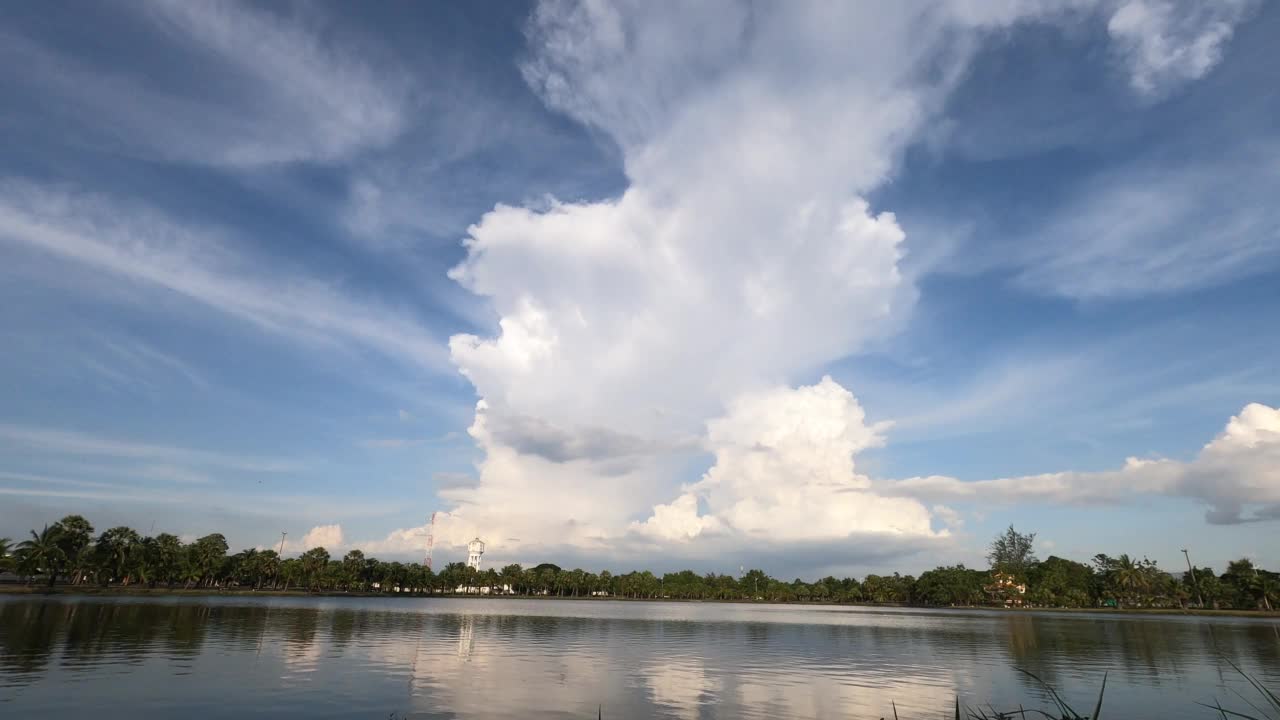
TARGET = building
x,y
475,551
1005,589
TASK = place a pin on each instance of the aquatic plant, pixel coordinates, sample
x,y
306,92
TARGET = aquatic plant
x,y
1269,710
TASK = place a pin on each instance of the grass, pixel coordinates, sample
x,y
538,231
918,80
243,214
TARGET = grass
x,y
1267,707
1061,710
1269,710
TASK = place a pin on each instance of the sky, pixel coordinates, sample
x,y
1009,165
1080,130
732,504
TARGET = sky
x,y
812,287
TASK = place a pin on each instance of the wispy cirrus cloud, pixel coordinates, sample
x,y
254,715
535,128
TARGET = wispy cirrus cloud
x,y
1144,230
389,443
1166,43
276,90
47,440
140,245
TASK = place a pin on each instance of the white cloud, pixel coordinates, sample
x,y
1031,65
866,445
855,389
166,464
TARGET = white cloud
x,y
48,440
328,537
678,521
136,244
784,469
316,101
1166,43
949,517
389,443
681,684
244,515
743,255
143,358
1144,230
1237,475
406,541
275,89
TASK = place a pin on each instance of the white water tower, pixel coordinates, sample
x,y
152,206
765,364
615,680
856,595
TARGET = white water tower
x,y
475,550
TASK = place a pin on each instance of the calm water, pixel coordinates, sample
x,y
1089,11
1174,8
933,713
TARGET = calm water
x,y
428,658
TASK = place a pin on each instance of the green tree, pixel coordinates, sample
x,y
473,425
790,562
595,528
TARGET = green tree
x,y
6,554
313,562
244,568
753,582
1012,552
114,551
42,553
1058,582
290,572
76,540
955,585
1206,583
166,557
1243,584
1124,579
268,568
353,569
511,575
208,553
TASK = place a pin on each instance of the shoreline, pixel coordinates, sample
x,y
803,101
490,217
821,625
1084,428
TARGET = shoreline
x,y
96,591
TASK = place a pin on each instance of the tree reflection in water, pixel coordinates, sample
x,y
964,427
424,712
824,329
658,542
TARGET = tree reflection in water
x,y
474,658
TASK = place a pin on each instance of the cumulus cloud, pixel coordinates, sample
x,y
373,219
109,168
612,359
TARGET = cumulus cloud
x,y
447,480
1236,475
405,541
742,256
784,470
1166,43
678,520
328,537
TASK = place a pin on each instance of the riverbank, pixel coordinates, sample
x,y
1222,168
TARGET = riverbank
x,y
136,591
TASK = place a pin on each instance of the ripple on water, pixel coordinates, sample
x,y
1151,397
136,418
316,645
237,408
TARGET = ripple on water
x,y
282,658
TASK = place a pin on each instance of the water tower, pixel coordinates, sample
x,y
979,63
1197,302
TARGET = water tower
x,y
475,550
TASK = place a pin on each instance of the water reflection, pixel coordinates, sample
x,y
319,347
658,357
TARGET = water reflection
x,y
508,658
466,637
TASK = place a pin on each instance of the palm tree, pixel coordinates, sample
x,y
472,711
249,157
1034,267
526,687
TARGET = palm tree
x,y
41,552
245,567
116,550
511,575
1128,577
313,561
190,572
167,557
208,553
75,537
353,568
268,567
6,562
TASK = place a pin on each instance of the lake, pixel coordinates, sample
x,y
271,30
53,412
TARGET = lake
x,y
298,657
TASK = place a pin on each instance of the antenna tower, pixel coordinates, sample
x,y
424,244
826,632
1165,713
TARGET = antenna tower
x,y
431,541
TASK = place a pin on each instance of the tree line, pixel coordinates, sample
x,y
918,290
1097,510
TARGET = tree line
x,y
69,552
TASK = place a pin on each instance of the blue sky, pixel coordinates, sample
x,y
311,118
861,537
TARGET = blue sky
x,y
836,289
